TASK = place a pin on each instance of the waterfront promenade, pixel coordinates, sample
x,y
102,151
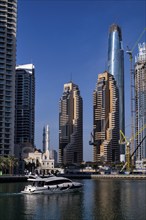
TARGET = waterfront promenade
x,y
17,178
106,176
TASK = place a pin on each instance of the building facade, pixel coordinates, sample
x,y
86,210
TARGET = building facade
x,y
70,125
53,155
39,163
106,119
8,20
25,104
140,101
116,68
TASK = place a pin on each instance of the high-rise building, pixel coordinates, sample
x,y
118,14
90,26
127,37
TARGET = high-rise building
x,y
106,119
25,104
116,68
140,100
8,19
53,155
70,125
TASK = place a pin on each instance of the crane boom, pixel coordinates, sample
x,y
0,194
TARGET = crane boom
x,y
140,36
137,147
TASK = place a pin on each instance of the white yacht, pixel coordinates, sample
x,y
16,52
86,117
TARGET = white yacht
x,y
50,184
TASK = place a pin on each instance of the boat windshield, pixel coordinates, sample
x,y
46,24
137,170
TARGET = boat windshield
x,y
60,181
38,183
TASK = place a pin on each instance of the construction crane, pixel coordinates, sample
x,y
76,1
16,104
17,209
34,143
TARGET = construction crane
x,y
129,155
130,53
92,140
124,141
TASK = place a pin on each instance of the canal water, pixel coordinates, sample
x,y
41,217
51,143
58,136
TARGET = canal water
x,y
102,199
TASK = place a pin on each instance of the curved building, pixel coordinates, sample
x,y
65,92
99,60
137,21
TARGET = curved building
x,y
116,68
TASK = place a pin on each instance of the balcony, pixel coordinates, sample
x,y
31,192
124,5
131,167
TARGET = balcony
x,y
1,97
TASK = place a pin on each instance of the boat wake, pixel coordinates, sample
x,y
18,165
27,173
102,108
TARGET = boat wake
x,y
10,194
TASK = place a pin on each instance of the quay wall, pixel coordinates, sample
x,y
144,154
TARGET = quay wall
x,y
6,179
105,176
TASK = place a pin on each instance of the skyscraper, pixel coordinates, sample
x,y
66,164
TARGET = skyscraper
x,y
53,155
25,104
140,100
8,19
106,119
116,68
70,125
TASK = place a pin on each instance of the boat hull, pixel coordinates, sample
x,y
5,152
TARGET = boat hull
x,y
51,191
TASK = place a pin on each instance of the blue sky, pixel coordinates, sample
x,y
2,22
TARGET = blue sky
x,y
68,40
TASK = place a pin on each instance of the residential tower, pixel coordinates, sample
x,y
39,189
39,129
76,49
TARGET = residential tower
x,y
8,20
106,119
70,125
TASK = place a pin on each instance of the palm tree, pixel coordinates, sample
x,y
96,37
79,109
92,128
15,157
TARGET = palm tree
x,y
12,162
8,164
1,164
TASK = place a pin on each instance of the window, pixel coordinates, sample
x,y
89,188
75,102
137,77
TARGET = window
x,y
56,182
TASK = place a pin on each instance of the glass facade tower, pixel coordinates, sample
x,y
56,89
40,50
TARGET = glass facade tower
x,y
116,68
25,104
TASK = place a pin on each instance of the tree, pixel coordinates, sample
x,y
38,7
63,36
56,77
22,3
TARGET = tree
x,y
7,164
12,162
95,166
30,166
82,166
2,164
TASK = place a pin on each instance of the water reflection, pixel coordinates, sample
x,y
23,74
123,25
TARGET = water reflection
x,y
118,199
54,206
107,200
99,200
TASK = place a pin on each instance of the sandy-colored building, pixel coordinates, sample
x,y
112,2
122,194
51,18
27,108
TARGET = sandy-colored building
x,y
106,119
71,125
42,161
